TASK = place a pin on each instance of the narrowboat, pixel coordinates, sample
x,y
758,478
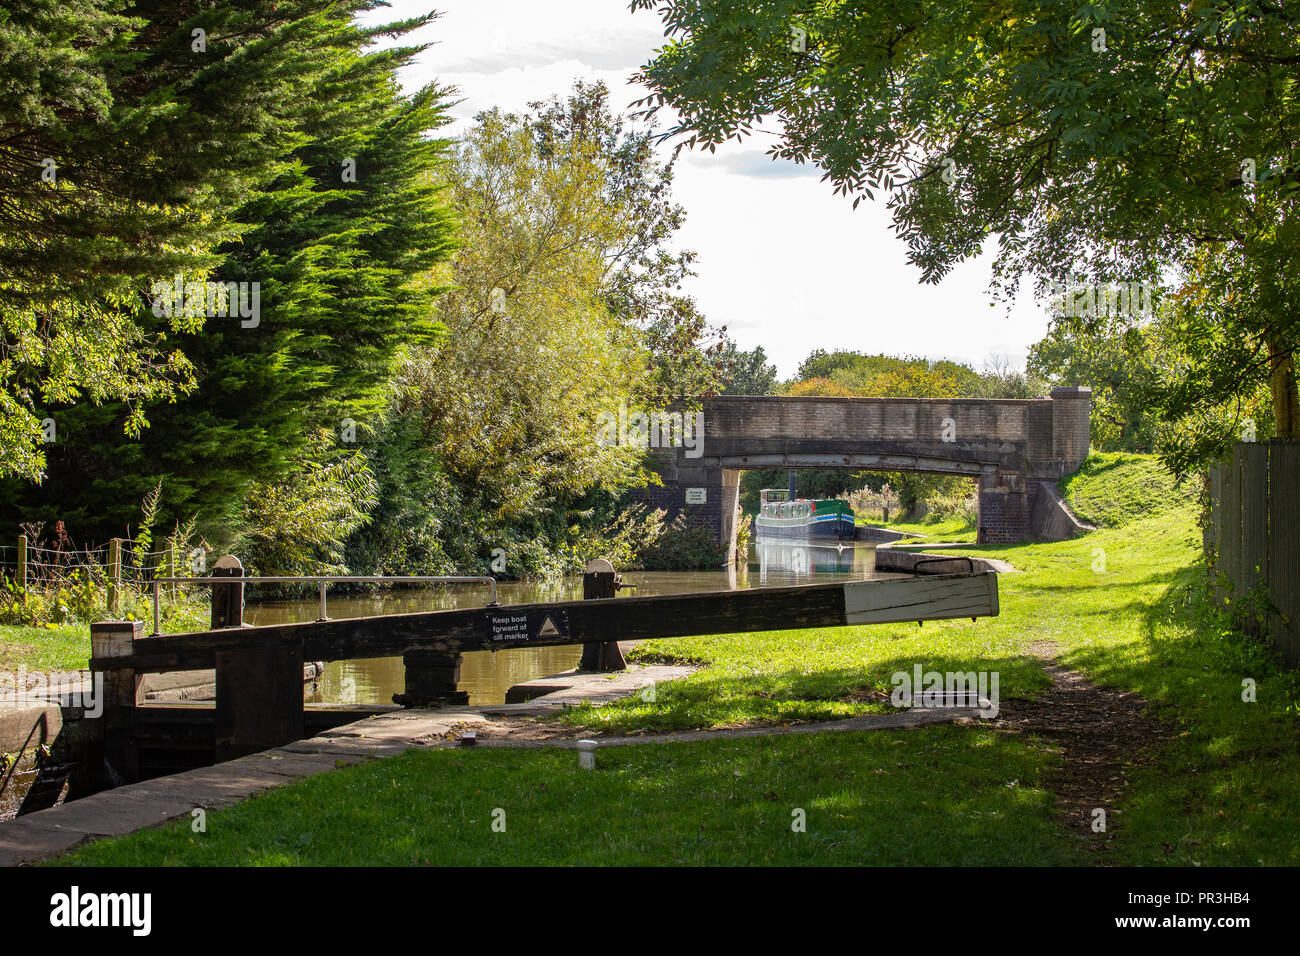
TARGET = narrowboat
x,y
780,516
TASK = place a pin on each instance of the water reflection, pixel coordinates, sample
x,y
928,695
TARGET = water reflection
x,y
782,561
487,675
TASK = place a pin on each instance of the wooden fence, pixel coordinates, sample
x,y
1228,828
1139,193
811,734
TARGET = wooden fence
x,y
1253,537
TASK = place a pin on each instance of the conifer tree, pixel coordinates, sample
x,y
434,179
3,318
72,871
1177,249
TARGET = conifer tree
x,y
333,240
121,141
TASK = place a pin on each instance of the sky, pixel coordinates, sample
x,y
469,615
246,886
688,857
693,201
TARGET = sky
x,y
783,262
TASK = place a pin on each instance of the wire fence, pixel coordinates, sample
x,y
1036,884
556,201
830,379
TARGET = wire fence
x,y
35,567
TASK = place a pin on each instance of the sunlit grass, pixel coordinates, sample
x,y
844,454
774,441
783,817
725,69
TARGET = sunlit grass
x,y
1113,489
64,647
67,646
935,796
946,528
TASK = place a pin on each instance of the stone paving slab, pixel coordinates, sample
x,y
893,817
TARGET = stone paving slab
x,y
42,687
296,765
406,726
108,814
60,828
21,843
211,787
575,687
28,725
993,564
343,747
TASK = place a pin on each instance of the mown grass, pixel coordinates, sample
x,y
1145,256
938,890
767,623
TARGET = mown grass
x,y
67,646
1120,605
936,796
63,647
774,677
1225,790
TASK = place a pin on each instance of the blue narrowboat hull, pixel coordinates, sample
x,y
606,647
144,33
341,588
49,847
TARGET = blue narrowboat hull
x,y
835,527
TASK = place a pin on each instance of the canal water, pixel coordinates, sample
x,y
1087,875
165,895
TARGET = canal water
x,y
487,675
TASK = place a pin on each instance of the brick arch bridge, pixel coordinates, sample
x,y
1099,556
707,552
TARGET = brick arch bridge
x,y
1017,449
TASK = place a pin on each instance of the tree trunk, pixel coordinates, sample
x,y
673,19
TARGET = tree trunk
x,y
1286,401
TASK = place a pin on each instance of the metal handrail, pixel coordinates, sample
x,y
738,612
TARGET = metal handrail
x,y
970,565
320,580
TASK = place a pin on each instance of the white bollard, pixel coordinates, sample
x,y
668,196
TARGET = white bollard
x,y
587,754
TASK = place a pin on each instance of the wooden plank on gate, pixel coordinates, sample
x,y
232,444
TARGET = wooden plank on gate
x,y
1284,547
1254,519
887,602
1230,529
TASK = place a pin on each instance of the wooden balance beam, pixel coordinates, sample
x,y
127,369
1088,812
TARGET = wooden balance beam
x,y
259,669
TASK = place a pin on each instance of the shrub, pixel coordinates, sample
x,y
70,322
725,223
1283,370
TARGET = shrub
x,y
684,548
875,505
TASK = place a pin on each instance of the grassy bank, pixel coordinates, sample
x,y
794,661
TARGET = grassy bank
x,y
62,647
1111,490
945,528
67,646
1118,605
866,799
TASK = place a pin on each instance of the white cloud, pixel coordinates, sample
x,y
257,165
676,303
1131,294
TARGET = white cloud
x,y
783,262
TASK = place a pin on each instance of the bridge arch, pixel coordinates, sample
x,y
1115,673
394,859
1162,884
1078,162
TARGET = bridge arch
x,y
1017,449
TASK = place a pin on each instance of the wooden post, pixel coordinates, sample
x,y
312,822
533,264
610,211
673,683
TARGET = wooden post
x,y
259,690
114,574
431,678
171,568
600,581
122,692
227,599
259,699
22,565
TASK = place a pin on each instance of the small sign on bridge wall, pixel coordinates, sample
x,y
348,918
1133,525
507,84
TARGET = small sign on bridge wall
x,y
506,626
696,496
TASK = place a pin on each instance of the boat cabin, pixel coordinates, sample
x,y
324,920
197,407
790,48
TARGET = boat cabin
x,y
776,503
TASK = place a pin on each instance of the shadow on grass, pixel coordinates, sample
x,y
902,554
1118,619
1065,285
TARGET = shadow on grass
x,y
1224,789
709,699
